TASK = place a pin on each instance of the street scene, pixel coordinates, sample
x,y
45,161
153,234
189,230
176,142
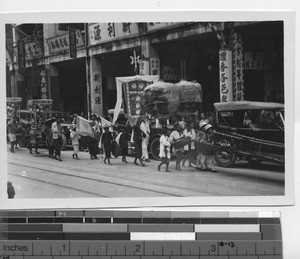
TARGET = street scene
x,y
157,109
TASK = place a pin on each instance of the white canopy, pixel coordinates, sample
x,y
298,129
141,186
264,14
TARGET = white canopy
x,y
120,81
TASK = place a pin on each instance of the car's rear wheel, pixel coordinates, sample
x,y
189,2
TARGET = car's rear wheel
x,y
154,148
224,154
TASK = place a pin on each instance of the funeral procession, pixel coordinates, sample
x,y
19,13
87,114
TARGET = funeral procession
x,y
158,109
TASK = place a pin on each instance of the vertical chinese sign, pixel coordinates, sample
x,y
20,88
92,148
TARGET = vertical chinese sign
x,y
43,75
225,66
72,41
97,102
21,55
238,67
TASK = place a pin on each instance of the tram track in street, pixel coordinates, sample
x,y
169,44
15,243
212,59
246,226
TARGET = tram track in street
x,y
89,179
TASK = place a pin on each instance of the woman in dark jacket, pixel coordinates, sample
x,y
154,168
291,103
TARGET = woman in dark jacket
x,y
137,139
107,142
123,144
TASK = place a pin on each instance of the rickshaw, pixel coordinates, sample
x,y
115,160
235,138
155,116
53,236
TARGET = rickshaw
x,y
40,110
249,130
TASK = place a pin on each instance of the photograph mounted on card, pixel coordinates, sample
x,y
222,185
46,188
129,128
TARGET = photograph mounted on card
x,y
133,109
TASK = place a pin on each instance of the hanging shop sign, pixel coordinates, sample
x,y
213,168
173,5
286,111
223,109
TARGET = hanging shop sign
x,y
144,67
154,66
171,73
97,102
43,83
225,66
21,55
260,60
159,25
72,41
102,32
238,67
62,43
33,50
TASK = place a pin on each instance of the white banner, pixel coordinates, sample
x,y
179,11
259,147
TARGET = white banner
x,y
225,66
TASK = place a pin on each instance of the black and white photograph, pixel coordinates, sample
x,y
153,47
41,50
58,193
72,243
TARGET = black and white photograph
x,y
148,109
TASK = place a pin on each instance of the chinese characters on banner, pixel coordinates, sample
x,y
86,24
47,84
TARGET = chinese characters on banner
x,y
225,66
97,103
260,60
61,43
21,55
238,67
154,66
133,92
43,75
101,32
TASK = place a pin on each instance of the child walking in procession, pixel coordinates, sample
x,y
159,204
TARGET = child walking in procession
x,y
75,136
164,150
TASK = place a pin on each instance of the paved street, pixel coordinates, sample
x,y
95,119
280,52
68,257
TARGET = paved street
x,y
37,176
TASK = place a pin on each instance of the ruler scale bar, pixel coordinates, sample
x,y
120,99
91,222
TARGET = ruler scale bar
x,y
89,234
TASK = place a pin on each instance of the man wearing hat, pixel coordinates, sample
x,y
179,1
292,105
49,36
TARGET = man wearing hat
x,y
57,137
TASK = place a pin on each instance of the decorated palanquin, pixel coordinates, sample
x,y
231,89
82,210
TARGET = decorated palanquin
x,y
162,99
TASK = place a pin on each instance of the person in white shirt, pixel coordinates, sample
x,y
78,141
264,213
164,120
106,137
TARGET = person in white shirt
x,y
175,135
145,128
57,137
190,148
164,150
75,136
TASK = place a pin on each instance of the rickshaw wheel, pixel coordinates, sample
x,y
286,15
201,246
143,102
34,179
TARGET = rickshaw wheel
x,y
225,157
154,148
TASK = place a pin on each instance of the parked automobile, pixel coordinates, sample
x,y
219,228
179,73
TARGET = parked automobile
x,y
249,130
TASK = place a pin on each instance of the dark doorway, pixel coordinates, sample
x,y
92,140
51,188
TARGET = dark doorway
x,y
254,85
72,82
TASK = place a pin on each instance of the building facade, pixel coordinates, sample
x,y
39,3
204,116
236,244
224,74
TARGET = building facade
x,y
39,63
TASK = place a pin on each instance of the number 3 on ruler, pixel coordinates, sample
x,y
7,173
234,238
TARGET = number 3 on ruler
x,y
213,248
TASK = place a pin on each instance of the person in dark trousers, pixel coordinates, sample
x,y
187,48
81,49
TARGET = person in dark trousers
x,y
93,147
124,138
138,136
107,142
57,137
12,131
33,140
